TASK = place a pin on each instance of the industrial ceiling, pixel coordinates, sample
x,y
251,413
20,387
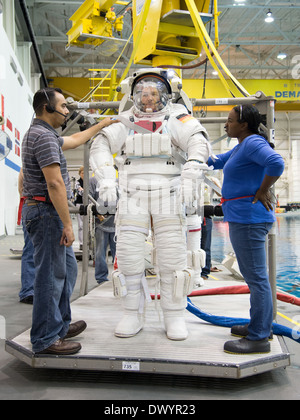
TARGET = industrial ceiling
x,y
249,46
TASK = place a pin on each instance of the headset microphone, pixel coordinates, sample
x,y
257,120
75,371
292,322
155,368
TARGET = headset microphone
x,y
60,113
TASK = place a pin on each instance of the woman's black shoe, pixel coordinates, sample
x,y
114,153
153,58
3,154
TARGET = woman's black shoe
x,y
242,331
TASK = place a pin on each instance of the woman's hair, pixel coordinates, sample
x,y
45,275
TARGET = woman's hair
x,y
251,115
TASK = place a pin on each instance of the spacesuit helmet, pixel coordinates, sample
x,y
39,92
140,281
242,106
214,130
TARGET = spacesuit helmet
x,y
151,92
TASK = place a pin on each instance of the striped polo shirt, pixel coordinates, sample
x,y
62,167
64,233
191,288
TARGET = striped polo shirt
x,y
41,147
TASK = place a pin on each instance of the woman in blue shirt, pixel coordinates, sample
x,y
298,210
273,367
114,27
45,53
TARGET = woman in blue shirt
x,y
250,169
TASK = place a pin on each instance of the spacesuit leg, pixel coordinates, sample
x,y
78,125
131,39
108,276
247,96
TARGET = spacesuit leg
x,y
170,243
196,255
129,280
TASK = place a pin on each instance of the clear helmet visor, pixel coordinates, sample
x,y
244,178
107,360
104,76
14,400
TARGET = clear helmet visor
x,y
150,95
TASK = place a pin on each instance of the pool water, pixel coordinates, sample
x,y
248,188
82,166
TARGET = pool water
x,y
287,249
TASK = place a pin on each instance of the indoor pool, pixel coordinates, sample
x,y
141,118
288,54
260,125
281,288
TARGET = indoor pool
x,y
287,249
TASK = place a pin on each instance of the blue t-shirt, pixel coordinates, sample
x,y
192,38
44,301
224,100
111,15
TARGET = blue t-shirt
x,y
245,167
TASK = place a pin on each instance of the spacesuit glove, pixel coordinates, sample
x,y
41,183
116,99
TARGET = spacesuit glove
x,y
189,192
108,196
194,169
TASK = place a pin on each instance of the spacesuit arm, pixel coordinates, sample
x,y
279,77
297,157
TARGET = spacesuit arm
x,y
108,142
101,159
198,148
190,136
198,151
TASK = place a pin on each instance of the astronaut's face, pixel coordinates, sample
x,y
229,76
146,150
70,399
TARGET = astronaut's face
x,y
150,95
150,99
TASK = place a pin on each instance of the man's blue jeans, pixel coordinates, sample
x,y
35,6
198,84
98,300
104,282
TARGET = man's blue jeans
x,y
27,267
248,242
55,275
102,240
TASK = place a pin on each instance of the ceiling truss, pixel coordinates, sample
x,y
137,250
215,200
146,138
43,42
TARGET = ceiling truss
x,y
248,46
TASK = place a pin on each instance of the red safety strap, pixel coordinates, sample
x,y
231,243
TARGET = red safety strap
x,y
223,200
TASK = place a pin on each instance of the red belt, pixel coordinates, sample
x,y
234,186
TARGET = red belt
x,y
22,201
223,200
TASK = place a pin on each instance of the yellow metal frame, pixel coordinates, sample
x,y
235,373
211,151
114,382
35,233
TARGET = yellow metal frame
x,y
110,87
159,39
204,37
155,42
94,17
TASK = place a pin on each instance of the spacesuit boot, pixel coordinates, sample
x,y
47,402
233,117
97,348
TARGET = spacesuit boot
x,y
196,256
132,320
173,310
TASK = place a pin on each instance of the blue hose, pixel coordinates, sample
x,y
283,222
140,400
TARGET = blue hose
x,y
223,321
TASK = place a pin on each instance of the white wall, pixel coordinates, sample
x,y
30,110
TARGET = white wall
x,y
15,105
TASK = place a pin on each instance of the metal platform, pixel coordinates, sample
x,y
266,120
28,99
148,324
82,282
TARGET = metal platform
x,y
150,351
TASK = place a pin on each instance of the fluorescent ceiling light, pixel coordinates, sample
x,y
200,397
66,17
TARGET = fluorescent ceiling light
x,y
269,17
282,56
239,3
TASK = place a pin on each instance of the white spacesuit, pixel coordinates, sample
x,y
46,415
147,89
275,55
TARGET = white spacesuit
x,y
152,141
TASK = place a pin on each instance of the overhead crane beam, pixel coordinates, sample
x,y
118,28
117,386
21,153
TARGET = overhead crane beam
x,y
94,18
166,33
175,34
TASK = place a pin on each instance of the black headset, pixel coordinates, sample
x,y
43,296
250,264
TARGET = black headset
x,y
49,108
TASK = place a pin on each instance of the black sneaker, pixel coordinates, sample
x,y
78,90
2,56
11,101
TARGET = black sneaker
x,y
242,331
244,346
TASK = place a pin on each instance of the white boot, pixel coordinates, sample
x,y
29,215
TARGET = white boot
x,y
130,325
199,282
132,320
175,325
173,310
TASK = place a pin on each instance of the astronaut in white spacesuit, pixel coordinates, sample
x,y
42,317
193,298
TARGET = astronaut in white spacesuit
x,y
161,157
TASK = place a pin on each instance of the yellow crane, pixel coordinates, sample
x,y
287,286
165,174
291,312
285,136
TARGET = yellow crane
x,y
94,22
166,33
174,34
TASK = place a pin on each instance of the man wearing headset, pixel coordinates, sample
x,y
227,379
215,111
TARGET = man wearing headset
x,y
46,190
